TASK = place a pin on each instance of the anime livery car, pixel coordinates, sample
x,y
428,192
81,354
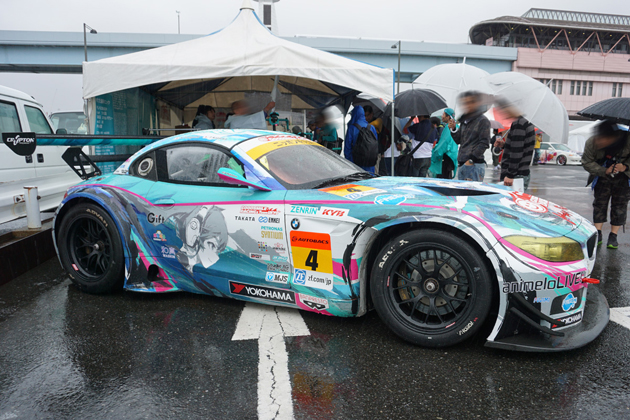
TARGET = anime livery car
x,y
273,218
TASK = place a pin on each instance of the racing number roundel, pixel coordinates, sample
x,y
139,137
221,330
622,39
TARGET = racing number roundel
x,y
312,259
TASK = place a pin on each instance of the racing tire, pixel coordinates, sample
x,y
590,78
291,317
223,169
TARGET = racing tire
x,y
561,160
431,288
90,249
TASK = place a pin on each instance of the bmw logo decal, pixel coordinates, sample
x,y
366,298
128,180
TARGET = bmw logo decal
x,y
295,224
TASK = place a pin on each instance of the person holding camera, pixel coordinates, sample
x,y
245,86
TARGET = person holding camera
x,y
607,159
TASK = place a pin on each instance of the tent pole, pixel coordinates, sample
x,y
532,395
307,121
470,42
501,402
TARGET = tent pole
x,y
393,134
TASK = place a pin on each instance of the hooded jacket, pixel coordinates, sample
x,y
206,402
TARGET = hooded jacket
x,y
473,137
357,117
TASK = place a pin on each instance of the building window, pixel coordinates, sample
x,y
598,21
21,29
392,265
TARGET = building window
x,y
267,14
572,92
590,88
584,86
617,90
578,87
559,92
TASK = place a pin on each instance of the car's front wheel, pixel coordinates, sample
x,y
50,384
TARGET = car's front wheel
x,y
431,288
90,249
562,160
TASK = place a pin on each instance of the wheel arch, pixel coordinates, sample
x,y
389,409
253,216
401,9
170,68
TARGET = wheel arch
x,y
399,226
81,198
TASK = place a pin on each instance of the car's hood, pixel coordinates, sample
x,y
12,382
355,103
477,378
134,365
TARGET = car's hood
x,y
506,211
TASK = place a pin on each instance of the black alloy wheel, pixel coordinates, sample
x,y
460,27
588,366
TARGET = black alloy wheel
x,y
90,249
431,288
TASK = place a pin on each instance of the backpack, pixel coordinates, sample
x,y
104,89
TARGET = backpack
x,y
404,163
365,149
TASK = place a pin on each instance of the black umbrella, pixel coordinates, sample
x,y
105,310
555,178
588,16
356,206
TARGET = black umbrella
x,y
617,109
416,102
378,105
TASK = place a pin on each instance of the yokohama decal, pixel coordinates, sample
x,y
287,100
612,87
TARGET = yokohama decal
x,y
260,292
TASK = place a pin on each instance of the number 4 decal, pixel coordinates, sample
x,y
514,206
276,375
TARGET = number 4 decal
x,y
311,260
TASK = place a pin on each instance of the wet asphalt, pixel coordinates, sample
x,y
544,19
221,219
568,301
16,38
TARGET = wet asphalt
x,y
65,354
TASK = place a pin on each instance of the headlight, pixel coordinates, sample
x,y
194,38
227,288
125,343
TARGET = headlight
x,y
560,249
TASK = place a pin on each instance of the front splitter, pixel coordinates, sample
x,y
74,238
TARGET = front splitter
x,y
596,316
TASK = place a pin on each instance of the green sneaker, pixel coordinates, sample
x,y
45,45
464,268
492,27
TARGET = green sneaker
x,y
612,241
600,237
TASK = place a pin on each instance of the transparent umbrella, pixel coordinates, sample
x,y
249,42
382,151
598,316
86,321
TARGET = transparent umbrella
x,y
535,101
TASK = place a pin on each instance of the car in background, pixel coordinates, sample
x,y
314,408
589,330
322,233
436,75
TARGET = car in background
x,y
559,153
45,169
74,122
273,218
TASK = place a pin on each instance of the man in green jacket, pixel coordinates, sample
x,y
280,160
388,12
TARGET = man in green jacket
x,y
607,159
444,153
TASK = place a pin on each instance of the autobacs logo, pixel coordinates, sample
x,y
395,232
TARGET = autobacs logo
x,y
260,292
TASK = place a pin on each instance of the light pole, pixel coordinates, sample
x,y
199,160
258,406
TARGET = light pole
x,y
92,31
397,45
177,11
393,132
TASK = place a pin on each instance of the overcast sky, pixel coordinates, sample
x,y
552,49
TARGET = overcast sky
x,y
447,21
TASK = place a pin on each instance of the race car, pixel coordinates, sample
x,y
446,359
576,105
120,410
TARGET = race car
x,y
559,153
273,218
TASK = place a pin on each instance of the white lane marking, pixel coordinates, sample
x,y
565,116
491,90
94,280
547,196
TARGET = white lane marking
x,y
269,325
621,316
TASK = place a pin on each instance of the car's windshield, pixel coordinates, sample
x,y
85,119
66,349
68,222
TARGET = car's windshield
x,y
304,166
73,122
559,146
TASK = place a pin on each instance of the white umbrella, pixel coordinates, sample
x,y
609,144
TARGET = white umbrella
x,y
449,80
535,101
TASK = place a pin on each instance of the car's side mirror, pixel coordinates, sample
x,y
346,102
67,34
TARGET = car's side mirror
x,y
61,131
232,177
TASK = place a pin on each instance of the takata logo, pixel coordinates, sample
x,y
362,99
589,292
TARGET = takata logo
x,y
259,210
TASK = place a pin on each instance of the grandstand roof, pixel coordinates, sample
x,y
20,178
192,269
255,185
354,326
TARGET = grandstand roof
x,y
561,19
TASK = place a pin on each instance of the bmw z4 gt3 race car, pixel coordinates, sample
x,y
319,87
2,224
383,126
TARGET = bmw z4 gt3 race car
x,y
274,218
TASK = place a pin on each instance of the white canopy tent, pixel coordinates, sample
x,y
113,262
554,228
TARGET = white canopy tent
x,y
243,57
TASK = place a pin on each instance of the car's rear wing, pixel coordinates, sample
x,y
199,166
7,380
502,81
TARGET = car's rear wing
x,y
24,144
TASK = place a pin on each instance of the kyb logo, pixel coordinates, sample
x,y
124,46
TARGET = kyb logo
x,y
262,292
322,211
155,219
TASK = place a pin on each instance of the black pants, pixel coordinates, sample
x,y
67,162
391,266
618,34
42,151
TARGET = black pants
x,y
615,190
447,168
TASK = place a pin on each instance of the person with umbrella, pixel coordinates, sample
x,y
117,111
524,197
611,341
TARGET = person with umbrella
x,y
424,135
444,153
607,159
518,147
473,137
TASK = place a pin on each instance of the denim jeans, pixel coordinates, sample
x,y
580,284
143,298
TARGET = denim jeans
x,y
385,166
474,172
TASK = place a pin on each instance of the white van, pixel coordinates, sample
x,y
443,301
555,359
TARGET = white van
x,y
44,169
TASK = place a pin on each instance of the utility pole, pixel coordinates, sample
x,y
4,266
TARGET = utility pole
x,y
178,27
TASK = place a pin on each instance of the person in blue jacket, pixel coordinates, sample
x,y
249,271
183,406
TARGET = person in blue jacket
x,y
358,117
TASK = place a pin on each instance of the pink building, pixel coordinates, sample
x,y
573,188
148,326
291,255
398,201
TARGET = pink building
x,y
583,57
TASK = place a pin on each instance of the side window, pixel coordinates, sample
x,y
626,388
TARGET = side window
x,y
9,121
195,164
37,121
544,147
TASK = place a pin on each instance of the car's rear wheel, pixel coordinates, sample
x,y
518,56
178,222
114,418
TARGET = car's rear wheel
x,y
431,288
562,160
90,249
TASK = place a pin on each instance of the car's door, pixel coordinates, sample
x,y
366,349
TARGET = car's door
x,y
212,230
